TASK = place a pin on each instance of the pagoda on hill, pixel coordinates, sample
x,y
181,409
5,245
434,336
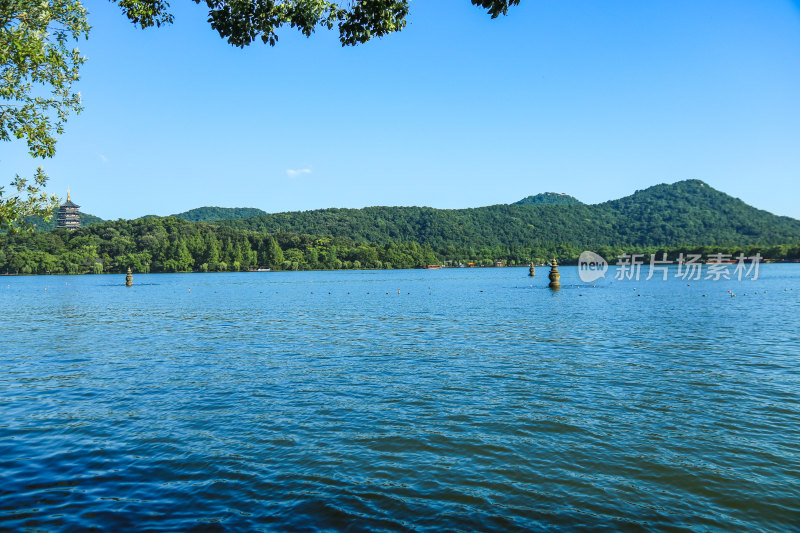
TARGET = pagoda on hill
x,y
68,215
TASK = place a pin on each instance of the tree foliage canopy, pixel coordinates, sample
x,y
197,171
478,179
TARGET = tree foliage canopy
x,y
211,214
683,213
174,245
38,66
242,22
28,200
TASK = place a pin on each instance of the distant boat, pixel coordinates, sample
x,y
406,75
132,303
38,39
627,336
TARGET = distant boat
x,y
433,266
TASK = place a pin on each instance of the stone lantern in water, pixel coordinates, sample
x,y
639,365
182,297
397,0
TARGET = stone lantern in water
x,y
554,275
531,270
129,278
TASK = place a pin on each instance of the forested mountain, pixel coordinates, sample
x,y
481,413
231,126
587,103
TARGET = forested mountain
x,y
684,213
692,212
549,198
211,214
688,216
173,245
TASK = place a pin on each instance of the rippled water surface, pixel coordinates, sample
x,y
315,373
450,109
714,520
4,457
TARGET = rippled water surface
x,y
459,399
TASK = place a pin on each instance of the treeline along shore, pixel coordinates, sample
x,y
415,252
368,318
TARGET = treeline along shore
x,y
683,217
176,245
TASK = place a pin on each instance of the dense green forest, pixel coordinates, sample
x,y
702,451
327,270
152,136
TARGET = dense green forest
x,y
175,245
688,217
681,214
549,198
211,214
200,214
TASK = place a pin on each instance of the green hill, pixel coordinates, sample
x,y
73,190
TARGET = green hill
x,y
549,198
213,214
684,213
685,217
693,212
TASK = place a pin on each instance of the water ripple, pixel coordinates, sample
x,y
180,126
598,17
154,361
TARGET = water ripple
x,y
470,401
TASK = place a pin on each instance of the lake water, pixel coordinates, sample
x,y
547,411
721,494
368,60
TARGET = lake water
x,y
457,399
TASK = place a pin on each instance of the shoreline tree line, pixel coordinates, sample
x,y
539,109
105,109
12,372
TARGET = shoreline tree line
x,y
176,245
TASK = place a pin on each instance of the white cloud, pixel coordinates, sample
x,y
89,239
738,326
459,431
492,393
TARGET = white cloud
x,y
102,158
294,172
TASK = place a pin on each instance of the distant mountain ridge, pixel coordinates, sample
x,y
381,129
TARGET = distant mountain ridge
x,y
213,214
549,198
683,217
688,212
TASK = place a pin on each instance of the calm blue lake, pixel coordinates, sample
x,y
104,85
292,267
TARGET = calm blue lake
x,y
457,399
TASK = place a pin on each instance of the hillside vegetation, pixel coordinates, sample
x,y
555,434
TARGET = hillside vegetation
x,y
212,214
685,213
170,244
688,217
549,198
175,245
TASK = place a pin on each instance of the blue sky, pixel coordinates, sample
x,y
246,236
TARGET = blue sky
x,y
593,98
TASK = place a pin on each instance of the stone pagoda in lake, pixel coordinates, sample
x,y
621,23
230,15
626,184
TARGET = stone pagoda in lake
x,y
68,215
